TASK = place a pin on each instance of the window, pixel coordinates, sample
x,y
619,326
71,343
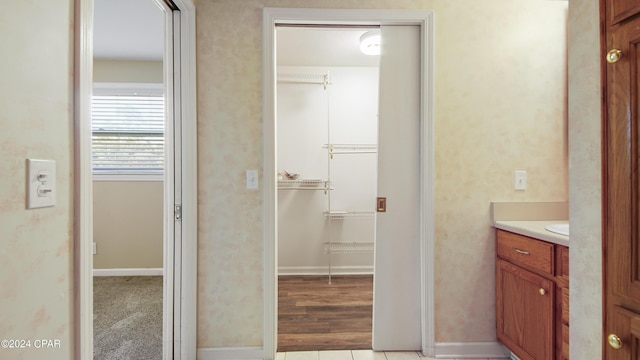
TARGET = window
x,y
128,129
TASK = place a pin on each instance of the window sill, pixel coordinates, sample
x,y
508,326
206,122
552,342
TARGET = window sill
x,y
128,177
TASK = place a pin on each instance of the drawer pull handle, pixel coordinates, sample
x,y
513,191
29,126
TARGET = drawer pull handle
x,y
520,251
542,291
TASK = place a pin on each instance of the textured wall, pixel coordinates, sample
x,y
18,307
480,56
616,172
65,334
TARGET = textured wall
x,y
500,106
229,141
585,180
35,121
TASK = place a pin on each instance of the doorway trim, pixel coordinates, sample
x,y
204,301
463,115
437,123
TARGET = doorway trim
x,y
184,254
423,19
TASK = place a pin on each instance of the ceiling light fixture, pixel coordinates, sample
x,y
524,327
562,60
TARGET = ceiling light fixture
x,y
370,42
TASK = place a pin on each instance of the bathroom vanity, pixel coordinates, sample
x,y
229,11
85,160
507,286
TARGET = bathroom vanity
x,y
532,296
532,287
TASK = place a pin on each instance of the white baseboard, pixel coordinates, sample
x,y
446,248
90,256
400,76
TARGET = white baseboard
x,y
231,353
129,272
472,350
323,270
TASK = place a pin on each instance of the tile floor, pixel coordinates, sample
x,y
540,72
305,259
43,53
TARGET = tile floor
x,y
355,355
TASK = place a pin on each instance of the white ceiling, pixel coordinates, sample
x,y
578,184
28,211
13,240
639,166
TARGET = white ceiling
x,y
134,30
128,30
301,46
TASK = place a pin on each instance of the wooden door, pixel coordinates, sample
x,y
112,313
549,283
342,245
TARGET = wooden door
x,y
621,10
524,314
621,179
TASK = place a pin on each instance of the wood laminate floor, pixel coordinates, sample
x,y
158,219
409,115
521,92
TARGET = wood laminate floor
x,y
316,315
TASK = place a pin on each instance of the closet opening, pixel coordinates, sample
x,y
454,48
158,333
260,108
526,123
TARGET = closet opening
x,y
327,163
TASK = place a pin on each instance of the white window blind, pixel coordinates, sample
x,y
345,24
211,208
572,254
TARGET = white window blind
x,y
128,129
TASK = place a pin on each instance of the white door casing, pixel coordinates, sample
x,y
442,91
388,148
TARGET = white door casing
x,y
179,312
83,187
184,246
424,21
172,170
396,301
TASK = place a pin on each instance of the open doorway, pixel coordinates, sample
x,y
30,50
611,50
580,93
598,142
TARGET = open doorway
x,y
327,121
128,152
180,183
406,280
179,177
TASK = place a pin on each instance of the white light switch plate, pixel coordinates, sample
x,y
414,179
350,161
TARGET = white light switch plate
x,y
41,183
252,179
520,180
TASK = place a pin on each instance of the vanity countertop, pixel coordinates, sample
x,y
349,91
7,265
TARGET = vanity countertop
x,y
534,229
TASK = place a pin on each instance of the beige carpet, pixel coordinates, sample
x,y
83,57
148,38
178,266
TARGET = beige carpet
x,y
127,318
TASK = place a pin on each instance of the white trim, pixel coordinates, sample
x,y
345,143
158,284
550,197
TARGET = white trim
x,y
322,270
83,185
129,272
189,145
171,317
471,350
230,353
128,177
425,20
269,186
427,185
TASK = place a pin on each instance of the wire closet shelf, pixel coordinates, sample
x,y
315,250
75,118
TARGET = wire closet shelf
x,y
331,246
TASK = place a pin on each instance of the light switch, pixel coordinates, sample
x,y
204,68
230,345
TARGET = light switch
x,y
252,179
520,180
41,183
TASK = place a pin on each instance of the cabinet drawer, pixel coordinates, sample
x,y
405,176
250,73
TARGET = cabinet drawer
x,y
533,254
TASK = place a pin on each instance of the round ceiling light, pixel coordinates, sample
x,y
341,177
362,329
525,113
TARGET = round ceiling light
x,y
370,42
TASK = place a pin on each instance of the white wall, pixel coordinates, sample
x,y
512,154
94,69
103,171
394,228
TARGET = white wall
x,y
308,116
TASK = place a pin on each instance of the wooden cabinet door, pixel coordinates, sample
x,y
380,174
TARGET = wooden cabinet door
x,y
623,321
620,10
524,312
621,181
